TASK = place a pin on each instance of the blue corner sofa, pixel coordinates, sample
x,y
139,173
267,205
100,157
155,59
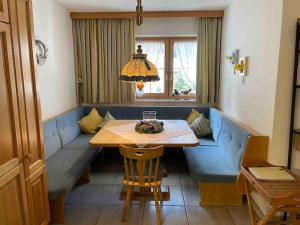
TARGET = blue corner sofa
x,y
216,161
68,158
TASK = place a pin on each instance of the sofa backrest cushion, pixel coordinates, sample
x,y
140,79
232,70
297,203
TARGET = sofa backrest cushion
x,y
233,140
51,138
216,122
67,125
135,112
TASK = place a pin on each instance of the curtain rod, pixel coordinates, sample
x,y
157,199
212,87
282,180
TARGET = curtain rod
x,y
149,14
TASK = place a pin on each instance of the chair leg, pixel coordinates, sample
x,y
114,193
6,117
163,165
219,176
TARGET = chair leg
x,y
157,207
159,195
126,206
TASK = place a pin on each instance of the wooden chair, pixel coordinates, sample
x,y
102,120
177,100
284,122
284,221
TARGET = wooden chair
x,y
142,170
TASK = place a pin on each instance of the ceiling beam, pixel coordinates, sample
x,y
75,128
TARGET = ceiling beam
x,y
153,14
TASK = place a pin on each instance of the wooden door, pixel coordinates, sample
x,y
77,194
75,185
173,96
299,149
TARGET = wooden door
x,y
13,202
38,197
4,11
10,139
20,15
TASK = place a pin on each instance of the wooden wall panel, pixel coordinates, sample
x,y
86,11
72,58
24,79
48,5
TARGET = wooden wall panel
x,y
13,202
4,11
38,197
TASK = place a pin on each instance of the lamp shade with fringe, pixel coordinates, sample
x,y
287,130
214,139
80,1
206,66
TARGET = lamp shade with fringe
x,y
139,69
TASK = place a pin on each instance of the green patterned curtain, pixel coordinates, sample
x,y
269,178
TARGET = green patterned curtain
x,y
102,47
208,60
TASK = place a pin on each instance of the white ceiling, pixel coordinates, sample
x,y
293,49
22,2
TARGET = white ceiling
x,y
149,5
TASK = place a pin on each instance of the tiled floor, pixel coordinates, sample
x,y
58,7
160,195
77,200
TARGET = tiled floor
x,y
97,203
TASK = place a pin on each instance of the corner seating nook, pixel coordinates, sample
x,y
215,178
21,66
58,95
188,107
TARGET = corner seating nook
x,y
215,163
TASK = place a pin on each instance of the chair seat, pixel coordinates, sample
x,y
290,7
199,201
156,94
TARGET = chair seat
x,y
210,164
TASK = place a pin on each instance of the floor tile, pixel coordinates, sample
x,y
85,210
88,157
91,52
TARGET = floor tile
x,y
191,195
186,179
114,197
119,178
80,214
103,177
171,215
208,216
240,216
90,194
176,197
171,179
112,215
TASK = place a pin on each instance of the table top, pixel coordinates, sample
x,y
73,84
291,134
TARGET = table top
x,y
275,192
179,134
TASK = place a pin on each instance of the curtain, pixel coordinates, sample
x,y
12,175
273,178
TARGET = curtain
x,y
102,47
208,60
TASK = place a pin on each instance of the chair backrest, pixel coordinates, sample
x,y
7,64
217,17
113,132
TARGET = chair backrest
x,y
141,164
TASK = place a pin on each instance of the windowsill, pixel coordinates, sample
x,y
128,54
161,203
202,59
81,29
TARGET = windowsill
x,y
164,100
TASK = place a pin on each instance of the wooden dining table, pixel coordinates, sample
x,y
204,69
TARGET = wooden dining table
x,y
177,133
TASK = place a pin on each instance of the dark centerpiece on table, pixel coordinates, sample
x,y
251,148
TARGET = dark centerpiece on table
x,y
149,127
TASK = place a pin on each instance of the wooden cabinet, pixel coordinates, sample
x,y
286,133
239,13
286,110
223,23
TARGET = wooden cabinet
x,y
13,202
24,60
23,182
10,141
4,11
38,197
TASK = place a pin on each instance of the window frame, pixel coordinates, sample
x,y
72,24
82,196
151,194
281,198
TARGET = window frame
x,y
169,49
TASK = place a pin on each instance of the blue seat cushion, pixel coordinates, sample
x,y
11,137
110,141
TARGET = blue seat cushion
x,y
80,142
233,140
51,138
210,164
64,169
207,141
67,125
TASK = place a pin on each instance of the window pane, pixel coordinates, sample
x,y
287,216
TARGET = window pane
x,y
184,65
156,54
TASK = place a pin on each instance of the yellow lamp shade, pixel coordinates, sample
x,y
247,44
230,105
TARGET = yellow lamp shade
x,y
139,69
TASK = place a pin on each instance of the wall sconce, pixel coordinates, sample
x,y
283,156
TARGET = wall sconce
x,y
242,66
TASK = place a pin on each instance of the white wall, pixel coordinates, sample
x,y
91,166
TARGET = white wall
x,y
57,77
253,27
168,27
279,148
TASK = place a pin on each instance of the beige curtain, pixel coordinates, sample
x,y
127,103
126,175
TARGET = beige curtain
x,y
208,60
102,48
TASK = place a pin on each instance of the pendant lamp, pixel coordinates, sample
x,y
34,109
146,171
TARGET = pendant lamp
x,y
139,69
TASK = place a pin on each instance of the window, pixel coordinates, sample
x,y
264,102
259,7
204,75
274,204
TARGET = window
x,y
175,59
